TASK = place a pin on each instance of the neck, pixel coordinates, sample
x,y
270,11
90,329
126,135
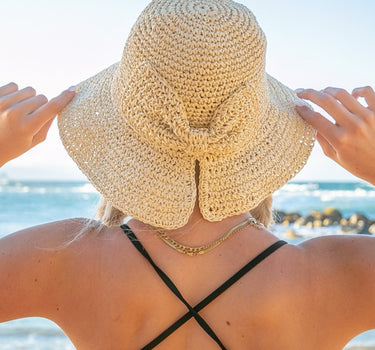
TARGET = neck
x,y
199,231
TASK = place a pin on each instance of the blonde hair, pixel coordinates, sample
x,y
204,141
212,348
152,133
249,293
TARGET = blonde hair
x,y
111,216
263,212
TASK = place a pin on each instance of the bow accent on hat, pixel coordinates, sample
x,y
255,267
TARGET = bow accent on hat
x,y
157,114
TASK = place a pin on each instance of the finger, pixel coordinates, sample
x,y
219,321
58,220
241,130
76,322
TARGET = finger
x,y
48,111
329,104
347,100
327,148
368,93
11,99
42,133
7,89
30,105
327,129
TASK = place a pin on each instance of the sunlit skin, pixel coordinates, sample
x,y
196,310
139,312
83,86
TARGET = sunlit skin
x,y
104,295
25,118
351,140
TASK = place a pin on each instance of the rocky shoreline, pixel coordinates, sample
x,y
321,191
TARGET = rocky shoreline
x,y
358,223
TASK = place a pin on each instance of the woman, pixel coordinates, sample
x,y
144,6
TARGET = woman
x,y
189,136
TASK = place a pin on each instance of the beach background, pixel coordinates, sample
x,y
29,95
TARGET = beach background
x,y
52,45
27,203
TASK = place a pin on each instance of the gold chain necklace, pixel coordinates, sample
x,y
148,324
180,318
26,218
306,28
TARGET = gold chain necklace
x,y
192,251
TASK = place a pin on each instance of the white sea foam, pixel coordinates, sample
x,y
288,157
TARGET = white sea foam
x,y
4,181
297,187
327,196
36,188
86,188
33,334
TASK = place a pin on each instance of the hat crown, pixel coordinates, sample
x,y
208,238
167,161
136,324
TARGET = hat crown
x,y
191,85
204,50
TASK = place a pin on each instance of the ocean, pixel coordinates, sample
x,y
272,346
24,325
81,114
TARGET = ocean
x,y
28,203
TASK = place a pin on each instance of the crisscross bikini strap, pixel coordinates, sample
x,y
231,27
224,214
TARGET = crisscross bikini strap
x,y
130,234
194,311
219,291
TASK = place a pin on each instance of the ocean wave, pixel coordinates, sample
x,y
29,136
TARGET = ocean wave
x,y
44,188
327,195
86,188
26,331
32,342
4,182
299,187
310,187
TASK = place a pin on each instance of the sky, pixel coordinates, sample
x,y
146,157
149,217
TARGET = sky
x,y
52,45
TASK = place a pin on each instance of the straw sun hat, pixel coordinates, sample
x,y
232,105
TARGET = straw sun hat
x,y
191,86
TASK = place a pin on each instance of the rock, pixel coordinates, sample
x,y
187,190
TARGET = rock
x,y
305,221
291,218
327,222
317,215
363,228
357,217
292,234
333,214
371,229
300,222
343,222
317,223
362,225
358,223
348,227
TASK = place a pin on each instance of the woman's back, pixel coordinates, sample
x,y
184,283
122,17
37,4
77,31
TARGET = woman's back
x,y
112,298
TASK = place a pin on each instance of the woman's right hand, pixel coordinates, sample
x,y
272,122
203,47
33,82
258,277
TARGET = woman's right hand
x,y
351,140
25,118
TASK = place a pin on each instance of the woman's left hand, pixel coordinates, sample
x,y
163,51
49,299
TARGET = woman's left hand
x,y
25,118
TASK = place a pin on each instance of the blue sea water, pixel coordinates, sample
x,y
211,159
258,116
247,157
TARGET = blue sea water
x,y
28,203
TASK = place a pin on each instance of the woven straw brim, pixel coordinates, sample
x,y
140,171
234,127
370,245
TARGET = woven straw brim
x,y
159,189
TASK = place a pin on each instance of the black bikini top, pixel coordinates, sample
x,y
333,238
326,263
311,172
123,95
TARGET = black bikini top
x,y
193,311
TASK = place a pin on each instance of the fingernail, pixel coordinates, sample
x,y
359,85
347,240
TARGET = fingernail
x,y
299,103
73,88
297,91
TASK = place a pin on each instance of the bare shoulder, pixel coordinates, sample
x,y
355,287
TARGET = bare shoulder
x,y
33,262
350,256
343,268
349,250
80,241
41,267
53,232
